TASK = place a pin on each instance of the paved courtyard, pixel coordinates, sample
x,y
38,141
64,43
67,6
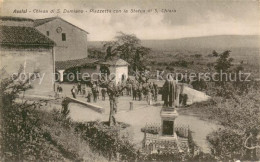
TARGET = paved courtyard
x,y
123,101
141,115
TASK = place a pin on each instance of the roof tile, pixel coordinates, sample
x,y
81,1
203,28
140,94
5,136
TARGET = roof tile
x,y
18,35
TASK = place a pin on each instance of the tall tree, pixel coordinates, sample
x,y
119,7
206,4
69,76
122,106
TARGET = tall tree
x,y
223,62
113,92
129,48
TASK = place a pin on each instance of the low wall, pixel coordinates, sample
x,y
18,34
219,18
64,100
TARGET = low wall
x,y
88,105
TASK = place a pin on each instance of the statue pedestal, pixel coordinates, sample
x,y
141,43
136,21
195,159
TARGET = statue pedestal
x,y
168,116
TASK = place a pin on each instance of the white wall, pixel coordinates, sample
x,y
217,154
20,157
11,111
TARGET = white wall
x,y
32,59
75,46
120,70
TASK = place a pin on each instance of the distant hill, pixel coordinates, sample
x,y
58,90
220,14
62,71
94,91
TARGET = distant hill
x,y
196,43
243,47
207,42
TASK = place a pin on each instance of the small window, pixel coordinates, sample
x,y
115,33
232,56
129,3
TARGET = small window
x,y
63,35
47,33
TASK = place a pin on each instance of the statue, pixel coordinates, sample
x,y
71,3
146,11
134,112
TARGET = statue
x,y
170,92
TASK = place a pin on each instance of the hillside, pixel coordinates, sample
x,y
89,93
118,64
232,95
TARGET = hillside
x,y
243,47
212,42
216,42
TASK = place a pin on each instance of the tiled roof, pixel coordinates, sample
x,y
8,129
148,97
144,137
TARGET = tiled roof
x,y
17,35
11,18
39,22
115,62
63,65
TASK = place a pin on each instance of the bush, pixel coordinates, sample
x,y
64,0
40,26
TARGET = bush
x,y
22,136
227,144
106,140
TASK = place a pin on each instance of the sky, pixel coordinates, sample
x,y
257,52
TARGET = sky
x,y
192,17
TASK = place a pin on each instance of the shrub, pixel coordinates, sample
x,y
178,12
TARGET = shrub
x,y
106,140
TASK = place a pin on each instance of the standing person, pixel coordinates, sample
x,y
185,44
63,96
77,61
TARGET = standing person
x,y
94,92
149,97
89,97
145,91
73,92
140,93
103,92
61,90
97,90
57,92
152,91
79,88
58,88
84,91
134,89
155,87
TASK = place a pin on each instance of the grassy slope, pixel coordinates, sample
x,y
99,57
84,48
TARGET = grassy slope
x,y
62,136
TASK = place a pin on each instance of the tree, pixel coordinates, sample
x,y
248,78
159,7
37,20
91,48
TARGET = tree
x,y
21,136
223,62
113,92
214,53
127,47
95,53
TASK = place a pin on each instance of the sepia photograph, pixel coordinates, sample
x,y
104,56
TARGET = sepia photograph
x,y
129,80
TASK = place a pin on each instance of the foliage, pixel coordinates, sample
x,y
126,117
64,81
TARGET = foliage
x,y
199,84
241,117
29,133
22,137
214,53
223,62
113,92
127,47
95,53
106,140
226,144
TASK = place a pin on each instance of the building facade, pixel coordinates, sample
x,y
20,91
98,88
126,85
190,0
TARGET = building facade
x,y
71,41
117,68
21,45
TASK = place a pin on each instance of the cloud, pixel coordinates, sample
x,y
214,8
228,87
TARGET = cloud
x,y
191,19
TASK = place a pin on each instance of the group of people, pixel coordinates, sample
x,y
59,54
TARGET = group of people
x,y
91,95
140,91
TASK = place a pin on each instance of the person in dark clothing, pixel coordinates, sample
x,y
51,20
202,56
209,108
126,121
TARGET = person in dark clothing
x,y
79,88
129,89
97,91
183,97
61,90
58,88
103,92
89,97
94,92
73,92
134,89
140,92
155,87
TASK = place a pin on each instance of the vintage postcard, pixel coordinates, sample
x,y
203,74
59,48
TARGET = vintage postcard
x,y
114,80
